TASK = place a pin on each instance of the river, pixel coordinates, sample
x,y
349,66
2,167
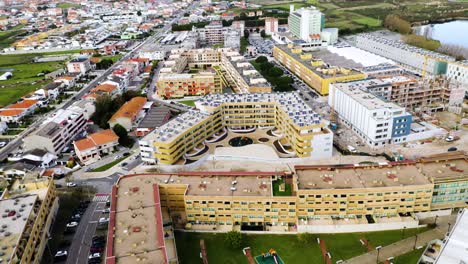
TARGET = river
x,y
453,32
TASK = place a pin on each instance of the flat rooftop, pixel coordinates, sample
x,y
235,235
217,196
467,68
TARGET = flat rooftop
x,y
331,61
447,166
359,56
15,214
368,100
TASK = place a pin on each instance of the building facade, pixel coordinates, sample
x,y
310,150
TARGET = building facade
x,y
271,25
129,114
58,131
306,23
79,65
94,145
377,122
458,71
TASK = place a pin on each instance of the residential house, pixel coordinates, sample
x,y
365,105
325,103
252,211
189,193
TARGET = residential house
x,y
79,65
128,115
93,146
106,88
154,118
40,158
15,112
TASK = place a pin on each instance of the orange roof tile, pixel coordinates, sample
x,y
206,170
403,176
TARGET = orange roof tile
x,y
11,112
48,173
95,59
96,139
25,104
106,87
130,109
68,78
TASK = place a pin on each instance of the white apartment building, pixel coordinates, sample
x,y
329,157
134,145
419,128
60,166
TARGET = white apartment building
x,y
377,122
458,71
232,39
306,23
417,59
57,131
79,65
271,25
152,52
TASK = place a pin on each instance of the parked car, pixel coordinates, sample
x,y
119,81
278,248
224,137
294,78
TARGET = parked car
x,y
96,249
449,139
72,224
94,255
71,184
103,220
452,149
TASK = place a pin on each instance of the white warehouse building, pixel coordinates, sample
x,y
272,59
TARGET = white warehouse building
x,y
375,121
417,59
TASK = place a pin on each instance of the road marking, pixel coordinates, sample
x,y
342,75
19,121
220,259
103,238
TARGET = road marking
x,y
92,222
101,198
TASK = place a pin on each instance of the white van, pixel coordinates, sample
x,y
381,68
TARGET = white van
x,y
352,149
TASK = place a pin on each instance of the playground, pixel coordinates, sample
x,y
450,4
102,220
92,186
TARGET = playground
x,y
270,257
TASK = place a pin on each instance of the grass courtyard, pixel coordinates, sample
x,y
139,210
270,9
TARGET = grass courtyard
x,y
289,247
187,102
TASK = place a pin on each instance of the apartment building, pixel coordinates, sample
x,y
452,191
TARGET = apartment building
x,y
129,114
376,121
28,208
232,39
271,25
417,59
320,195
212,34
58,131
183,84
313,71
96,144
303,132
458,71
306,23
79,65
225,67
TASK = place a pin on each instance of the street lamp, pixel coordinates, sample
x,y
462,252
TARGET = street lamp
x,y
435,220
378,253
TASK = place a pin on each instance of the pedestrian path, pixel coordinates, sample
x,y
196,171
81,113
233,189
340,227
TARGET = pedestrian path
x,y
404,246
101,198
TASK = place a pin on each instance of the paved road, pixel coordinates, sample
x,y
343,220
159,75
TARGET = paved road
x,y
79,249
405,245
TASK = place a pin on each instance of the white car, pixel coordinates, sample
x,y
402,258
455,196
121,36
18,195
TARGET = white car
x,y
117,157
61,253
106,211
449,138
71,184
95,255
72,224
103,220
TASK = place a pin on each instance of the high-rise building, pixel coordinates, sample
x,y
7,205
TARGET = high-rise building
x,y
271,25
306,23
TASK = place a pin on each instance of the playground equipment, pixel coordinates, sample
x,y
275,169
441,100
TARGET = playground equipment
x,y
270,254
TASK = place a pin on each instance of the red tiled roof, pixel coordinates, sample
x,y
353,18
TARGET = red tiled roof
x,y
130,109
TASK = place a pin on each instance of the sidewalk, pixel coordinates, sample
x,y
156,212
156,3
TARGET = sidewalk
x,y
406,245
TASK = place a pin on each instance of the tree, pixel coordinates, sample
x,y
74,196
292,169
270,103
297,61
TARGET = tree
x,y
103,112
261,59
138,13
204,14
275,72
265,67
186,14
234,239
124,139
246,33
262,33
396,23
242,16
257,30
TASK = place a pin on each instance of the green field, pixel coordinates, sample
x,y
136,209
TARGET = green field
x,y
289,247
68,5
8,37
27,76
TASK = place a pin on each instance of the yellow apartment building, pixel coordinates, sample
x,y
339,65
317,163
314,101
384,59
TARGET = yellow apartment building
x,y
313,70
28,210
183,84
302,131
386,191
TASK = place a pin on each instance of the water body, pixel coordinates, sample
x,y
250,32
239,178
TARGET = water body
x,y
453,32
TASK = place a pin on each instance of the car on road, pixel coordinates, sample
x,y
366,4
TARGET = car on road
x,y
99,238
94,256
449,139
123,164
61,255
126,154
71,184
117,157
103,220
452,149
106,211
72,224
2,144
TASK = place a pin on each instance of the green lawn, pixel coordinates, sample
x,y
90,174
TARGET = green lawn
x,y
10,95
276,192
410,257
8,37
108,165
291,250
188,102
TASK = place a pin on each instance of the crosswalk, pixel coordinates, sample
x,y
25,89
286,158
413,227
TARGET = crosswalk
x,y
100,198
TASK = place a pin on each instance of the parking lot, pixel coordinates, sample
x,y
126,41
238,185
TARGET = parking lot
x,y
87,230
264,46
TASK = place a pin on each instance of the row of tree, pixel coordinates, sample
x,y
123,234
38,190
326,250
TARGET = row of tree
x,y
274,75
